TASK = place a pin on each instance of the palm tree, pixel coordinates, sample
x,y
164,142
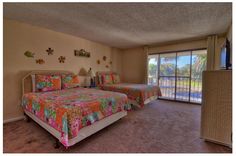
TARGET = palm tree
x,y
199,65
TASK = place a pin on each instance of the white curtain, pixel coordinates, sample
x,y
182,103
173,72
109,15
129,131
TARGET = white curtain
x,y
211,51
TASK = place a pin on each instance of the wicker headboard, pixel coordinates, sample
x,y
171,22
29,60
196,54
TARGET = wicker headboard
x,y
27,79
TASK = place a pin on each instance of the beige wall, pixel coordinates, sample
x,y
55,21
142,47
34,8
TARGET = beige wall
x,y
229,33
229,36
19,37
179,46
133,65
116,57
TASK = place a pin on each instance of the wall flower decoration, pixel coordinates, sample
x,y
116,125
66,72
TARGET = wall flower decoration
x,y
39,61
98,62
104,58
62,59
107,66
49,51
110,62
29,54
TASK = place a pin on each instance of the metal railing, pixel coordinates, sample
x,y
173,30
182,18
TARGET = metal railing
x,y
180,88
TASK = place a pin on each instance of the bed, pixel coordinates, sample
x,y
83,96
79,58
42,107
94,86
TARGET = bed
x,y
138,94
71,115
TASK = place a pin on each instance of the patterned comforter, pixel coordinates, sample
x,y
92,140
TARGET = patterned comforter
x,y
70,110
137,92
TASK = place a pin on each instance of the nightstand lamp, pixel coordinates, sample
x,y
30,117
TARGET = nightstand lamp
x,y
92,75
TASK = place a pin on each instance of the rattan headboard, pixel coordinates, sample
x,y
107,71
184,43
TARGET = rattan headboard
x,y
27,79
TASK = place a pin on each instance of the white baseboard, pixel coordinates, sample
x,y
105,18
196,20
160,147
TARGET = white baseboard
x,y
13,119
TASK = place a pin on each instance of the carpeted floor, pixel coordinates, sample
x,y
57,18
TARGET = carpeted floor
x,y
160,127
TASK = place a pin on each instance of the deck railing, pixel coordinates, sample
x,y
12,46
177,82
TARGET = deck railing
x,y
181,88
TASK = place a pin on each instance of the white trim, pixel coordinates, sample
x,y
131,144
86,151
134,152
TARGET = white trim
x,y
14,119
84,132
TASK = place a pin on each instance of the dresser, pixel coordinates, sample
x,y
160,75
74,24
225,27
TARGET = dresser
x,y
216,113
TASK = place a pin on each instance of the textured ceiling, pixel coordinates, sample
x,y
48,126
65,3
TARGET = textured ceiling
x,y
126,25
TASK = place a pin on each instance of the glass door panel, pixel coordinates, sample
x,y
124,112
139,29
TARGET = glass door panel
x,y
182,88
199,60
167,64
167,70
183,76
153,69
167,86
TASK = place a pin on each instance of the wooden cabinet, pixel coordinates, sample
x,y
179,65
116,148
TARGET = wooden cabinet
x,y
216,115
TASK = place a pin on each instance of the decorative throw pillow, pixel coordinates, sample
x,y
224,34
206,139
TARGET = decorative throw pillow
x,y
70,81
116,78
47,83
107,79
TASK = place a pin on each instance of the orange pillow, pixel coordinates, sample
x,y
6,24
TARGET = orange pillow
x,y
47,83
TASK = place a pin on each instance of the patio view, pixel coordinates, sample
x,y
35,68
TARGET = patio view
x,y
178,74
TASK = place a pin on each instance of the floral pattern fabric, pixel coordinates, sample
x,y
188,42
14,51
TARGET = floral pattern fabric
x,y
72,109
70,81
137,92
107,79
116,78
47,83
99,79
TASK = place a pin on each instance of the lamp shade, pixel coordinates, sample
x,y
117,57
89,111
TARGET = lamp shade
x,y
91,73
83,72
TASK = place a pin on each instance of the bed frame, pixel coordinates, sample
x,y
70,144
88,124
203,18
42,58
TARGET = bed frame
x,y
148,100
84,132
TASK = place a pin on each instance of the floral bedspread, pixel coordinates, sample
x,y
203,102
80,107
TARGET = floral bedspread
x,y
72,109
137,92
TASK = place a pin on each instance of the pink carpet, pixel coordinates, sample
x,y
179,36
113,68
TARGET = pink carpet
x,y
160,127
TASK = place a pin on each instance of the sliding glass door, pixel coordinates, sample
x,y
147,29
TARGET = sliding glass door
x,y
183,76
167,75
178,74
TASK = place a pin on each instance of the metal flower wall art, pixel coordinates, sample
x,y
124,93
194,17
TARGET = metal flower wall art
x,y
40,61
49,51
29,54
62,59
104,58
